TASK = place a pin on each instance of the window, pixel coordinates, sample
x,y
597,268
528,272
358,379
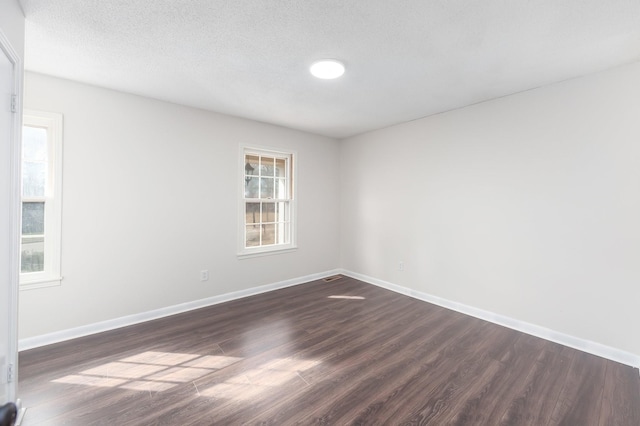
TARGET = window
x,y
41,199
268,202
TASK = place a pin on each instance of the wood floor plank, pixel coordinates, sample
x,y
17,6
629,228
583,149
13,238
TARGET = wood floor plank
x,y
346,365
342,352
501,382
357,377
534,402
580,399
428,395
620,396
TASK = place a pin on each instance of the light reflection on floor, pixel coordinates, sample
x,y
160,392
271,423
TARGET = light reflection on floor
x,y
160,371
335,296
257,381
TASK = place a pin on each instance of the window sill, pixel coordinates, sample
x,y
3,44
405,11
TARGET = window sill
x,y
262,252
42,283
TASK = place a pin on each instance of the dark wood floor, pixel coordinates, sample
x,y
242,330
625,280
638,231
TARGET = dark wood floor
x,y
342,352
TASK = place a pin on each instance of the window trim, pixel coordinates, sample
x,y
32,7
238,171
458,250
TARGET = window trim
x,y
249,252
51,276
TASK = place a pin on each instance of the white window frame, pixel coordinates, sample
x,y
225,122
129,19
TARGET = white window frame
x,y
247,252
50,276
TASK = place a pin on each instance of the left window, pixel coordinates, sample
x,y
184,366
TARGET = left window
x,y
41,199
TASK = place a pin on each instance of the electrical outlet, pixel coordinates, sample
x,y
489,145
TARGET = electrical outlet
x,y
401,266
204,275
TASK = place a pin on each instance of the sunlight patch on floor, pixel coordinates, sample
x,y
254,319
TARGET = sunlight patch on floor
x,y
159,371
150,371
103,382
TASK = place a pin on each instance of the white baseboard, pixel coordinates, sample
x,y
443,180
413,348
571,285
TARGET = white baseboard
x,y
584,345
85,330
525,327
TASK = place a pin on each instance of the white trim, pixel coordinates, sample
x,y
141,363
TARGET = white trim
x,y
269,252
85,330
43,283
15,219
21,412
584,345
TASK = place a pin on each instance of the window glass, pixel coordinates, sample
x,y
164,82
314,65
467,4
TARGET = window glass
x,y
34,178
280,167
41,199
33,218
266,187
268,212
32,255
34,143
280,188
268,166
267,201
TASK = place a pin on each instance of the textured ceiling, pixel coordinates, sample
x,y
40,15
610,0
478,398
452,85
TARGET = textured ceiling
x,y
405,59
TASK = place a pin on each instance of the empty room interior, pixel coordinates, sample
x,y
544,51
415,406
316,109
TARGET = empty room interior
x,y
443,228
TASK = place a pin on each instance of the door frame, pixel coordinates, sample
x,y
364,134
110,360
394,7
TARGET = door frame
x,y
15,219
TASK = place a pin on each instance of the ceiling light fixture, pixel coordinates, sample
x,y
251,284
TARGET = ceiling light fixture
x,y
327,69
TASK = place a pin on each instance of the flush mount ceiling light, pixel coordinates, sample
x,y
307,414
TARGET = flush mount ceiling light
x,y
327,69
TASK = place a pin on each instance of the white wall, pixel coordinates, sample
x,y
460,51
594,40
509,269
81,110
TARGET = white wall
x,y
12,24
527,206
150,199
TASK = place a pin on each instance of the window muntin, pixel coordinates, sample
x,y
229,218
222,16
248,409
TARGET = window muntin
x,y
41,199
268,202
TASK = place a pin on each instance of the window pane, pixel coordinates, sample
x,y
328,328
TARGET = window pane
x,y
268,234
280,188
32,254
252,235
266,188
281,165
34,143
251,187
251,163
33,218
250,176
33,179
282,236
282,212
267,168
252,213
268,212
